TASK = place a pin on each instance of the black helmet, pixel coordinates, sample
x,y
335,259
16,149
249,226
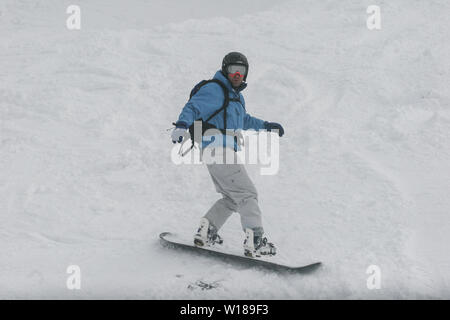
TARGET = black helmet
x,y
234,58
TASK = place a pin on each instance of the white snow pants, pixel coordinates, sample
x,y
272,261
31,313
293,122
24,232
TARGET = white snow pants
x,y
238,195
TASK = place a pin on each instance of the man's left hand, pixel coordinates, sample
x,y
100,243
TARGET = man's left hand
x,y
269,126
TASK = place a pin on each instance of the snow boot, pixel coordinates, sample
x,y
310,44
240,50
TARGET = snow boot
x,y
255,245
207,234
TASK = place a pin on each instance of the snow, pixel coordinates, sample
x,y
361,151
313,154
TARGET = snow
x,y
86,176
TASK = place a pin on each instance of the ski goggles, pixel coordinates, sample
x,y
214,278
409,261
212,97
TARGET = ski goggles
x,y
234,69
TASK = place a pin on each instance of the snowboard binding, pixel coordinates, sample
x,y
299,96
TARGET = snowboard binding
x,y
207,234
255,245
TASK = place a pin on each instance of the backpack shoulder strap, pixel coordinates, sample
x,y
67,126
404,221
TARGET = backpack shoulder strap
x,y
226,101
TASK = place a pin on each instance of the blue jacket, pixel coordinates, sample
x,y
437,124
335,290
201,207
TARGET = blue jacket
x,y
209,99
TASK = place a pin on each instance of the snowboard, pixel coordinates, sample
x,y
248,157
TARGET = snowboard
x,y
172,240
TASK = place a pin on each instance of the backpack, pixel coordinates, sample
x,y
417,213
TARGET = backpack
x,y
205,124
226,101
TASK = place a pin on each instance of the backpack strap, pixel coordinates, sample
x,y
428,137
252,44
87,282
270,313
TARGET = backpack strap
x,y
205,124
226,101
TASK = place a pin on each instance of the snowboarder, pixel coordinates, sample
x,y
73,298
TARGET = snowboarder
x,y
231,180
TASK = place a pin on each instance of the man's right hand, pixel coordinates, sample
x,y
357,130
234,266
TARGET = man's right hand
x,y
179,133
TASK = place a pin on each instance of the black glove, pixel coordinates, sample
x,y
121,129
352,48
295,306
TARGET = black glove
x,y
269,126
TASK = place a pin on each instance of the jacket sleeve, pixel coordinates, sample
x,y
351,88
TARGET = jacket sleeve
x,y
249,121
203,104
253,123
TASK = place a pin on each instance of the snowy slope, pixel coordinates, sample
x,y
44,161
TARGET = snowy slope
x,y
85,171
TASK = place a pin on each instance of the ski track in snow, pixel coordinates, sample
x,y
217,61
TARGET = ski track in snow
x,y
85,171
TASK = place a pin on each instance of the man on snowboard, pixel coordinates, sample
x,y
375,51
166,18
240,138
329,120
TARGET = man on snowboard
x,y
231,180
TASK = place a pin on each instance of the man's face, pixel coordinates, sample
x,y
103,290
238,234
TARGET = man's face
x,y
236,74
235,79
